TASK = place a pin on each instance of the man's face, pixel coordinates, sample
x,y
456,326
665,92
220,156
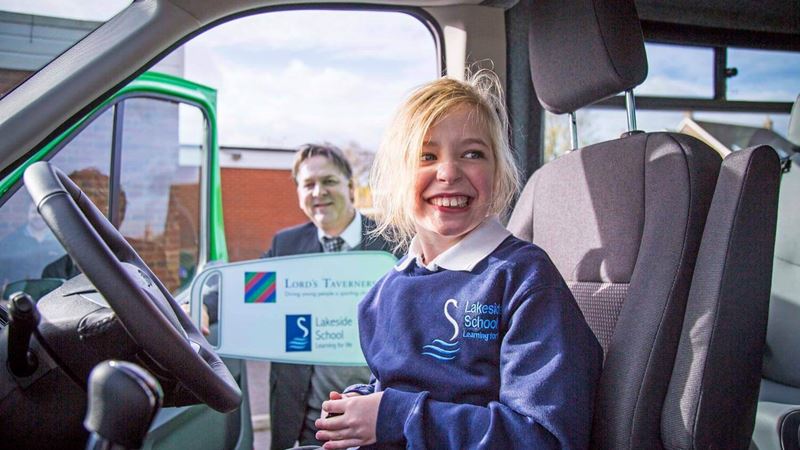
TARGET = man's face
x,y
325,195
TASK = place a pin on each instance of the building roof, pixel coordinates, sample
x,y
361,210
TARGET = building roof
x,y
28,42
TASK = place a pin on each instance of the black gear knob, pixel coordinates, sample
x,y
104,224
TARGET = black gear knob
x,y
123,400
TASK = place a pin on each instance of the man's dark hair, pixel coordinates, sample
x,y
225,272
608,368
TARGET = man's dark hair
x,y
326,150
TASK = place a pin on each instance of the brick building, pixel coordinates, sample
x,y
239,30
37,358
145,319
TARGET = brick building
x,y
258,198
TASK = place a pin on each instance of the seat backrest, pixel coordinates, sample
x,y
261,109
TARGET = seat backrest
x,y
779,396
622,220
782,358
711,401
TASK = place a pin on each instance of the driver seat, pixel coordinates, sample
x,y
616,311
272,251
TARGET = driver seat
x,y
622,220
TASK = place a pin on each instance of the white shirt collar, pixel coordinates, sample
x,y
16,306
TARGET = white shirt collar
x,y
351,234
467,253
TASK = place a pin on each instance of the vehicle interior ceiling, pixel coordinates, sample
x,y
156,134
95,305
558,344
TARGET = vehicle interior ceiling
x,y
75,83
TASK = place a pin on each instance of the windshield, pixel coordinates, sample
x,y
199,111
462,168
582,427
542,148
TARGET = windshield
x,y
33,33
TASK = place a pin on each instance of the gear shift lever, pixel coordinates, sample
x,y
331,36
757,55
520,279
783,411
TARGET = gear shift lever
x,y
123,400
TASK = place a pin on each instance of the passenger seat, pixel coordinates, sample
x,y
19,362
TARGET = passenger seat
x,y
622,220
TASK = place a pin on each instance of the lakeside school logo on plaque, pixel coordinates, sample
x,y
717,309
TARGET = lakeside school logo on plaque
x,y
298,333
297,309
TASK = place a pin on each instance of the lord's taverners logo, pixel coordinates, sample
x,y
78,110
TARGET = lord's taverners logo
x,y
259,287
298,333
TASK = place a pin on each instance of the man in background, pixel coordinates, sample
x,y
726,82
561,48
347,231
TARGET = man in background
x,y
325,193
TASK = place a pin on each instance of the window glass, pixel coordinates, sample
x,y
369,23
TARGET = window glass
x,y
86,159
557,140
28,250
764,75
160,186
678,71
294,77
734,130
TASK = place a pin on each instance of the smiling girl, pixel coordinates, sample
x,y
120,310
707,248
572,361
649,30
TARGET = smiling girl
x,y
473,340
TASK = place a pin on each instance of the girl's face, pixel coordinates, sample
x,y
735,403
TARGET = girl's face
x,y
454,183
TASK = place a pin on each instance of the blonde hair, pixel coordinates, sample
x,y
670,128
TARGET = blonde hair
x,y
397,160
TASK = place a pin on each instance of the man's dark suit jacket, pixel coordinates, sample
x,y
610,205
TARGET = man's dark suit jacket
x,y
289,384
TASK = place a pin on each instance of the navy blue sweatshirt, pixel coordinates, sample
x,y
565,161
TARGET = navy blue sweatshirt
x,y
496,355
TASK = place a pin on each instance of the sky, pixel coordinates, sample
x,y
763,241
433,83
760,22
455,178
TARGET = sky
x,y
293,77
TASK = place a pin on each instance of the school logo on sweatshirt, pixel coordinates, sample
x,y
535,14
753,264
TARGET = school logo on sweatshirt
x,y
441,349
298,333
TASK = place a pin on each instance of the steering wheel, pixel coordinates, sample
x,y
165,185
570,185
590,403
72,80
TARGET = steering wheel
x,y
146,309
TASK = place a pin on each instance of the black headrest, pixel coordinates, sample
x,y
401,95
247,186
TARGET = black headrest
x,y
582,51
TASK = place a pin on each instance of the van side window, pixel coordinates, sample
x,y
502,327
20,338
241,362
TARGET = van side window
x,y
747,102
155,201
162,146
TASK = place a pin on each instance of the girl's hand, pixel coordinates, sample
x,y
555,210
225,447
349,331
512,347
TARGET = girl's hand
x,y
356,424
333,395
